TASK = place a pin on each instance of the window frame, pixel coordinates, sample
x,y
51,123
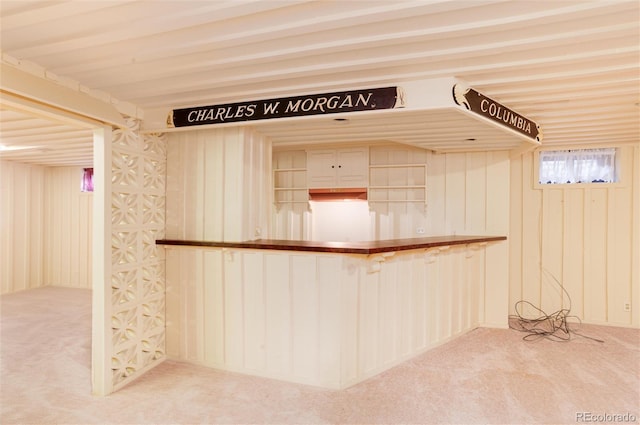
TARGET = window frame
x,y
620,171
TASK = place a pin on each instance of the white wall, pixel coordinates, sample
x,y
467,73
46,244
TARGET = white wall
x,y
67,223
323,319
467,194
218,185
588,237
585,236
340,221
46,227
22,212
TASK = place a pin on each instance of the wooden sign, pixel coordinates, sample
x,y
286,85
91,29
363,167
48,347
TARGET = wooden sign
x,y
314,104
489,108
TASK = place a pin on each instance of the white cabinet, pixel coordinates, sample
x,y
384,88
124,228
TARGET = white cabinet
x,y
328,168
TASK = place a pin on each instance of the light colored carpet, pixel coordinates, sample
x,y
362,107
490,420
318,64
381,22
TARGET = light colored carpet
x,y
485,376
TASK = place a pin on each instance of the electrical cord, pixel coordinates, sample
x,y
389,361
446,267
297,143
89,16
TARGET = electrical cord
x,y
554,326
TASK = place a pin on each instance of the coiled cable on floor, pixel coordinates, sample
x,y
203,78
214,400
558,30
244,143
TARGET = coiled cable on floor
x,y
554,326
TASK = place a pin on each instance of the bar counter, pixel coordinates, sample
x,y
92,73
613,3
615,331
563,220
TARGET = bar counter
x,y
328,314
366,248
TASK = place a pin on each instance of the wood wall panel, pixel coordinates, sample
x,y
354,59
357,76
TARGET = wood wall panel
x,y
324,319
278,327
46,228
68,232
466,193
218,185
583,236
572,256
596,271
21,246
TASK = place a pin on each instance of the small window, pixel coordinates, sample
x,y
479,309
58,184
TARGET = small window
x,y
578,166
87,180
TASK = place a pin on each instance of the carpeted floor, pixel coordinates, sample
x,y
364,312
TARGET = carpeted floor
x,y
485,376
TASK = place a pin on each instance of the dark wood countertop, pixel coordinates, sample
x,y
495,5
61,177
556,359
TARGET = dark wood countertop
x,y
372,247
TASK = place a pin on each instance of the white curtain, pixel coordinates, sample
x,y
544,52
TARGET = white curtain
x,y
578,166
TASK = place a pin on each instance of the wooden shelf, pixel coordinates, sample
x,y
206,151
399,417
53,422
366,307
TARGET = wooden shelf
x,y
408,189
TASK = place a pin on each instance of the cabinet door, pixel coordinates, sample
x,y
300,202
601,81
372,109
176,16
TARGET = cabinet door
x,y
347,167
353,167
321,168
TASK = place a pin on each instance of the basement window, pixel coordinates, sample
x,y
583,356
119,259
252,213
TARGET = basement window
x,y
86,184
578,166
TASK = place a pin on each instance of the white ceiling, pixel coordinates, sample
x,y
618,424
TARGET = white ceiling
x,y
571,66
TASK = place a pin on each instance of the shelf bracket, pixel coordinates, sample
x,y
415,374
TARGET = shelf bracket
x,y
376,260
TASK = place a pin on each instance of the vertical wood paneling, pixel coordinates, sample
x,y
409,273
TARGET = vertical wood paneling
x,y
588,234
419,302
368,335
475,192
214,178
477,308
234,314
531,235
455,208
278,302
405,324
573,251
200,306
349,313
68,230
515,231
387,313
635,235
329,272
175,327
7,227
175,187
619,287
20,215
258,193
595,310
84,240
37,230
434,304
194,178
323,319
496,294
444,293
188,313
552,217
457,192
254,310
213,202
436,194
214,310
46,228
305,316
233,184
198,179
